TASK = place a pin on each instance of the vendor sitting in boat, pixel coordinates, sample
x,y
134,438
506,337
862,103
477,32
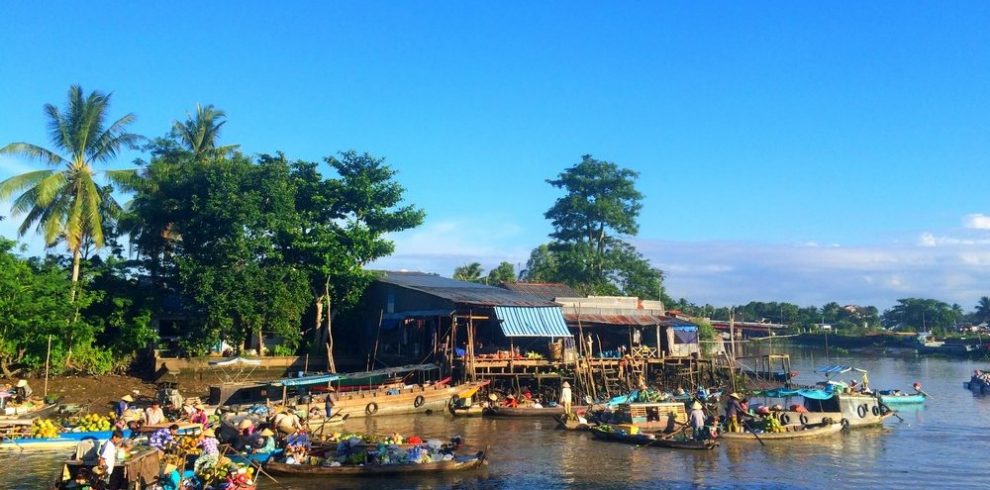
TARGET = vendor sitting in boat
x,y
265,443
22,391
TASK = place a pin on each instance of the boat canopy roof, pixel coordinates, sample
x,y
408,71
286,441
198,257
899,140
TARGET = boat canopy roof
x,y
829,370
235,361
327,378
804,392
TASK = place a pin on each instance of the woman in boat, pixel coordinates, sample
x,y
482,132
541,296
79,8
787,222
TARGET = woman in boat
x,y
510,401
265,444
697,421
199,416
565,397
211,450
154,414
22,391
734,413
122,405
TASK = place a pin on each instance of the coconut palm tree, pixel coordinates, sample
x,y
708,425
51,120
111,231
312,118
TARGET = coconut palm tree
x,y
199,133
65,202
983,309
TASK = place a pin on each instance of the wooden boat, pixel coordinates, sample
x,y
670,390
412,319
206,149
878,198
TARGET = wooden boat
x,y
789,433
299,470
652,440
893,397
475,410
64,440
529,411
563,422
30,412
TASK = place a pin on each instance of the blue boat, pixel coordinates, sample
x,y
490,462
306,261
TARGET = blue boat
x,y
895,397
64,440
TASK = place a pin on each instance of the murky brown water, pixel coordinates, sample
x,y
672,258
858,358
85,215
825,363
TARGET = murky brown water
x,y
943,444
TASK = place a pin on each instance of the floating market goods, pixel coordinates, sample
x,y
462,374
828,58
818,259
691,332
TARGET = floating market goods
x,y
189,445
45,428
92,422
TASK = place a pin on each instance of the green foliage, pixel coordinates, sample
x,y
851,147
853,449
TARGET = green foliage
x,y
469,272
923,315
504,272
601,203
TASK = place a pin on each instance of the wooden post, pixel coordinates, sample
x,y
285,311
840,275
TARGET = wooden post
x,y
469,352
48,358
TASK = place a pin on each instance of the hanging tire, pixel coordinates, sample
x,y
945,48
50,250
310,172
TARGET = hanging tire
x,y
419,401
876,410
803,419
827,421
371,408
862,411
785,419
845,423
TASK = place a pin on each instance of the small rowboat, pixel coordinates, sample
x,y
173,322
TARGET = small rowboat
x,y
302,470
790,432
652,440
472,411
891,397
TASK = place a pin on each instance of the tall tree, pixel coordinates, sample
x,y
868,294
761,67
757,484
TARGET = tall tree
x,y
66,203
601,200
600,205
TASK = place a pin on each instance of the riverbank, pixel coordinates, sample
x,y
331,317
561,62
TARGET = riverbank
x,y
99,393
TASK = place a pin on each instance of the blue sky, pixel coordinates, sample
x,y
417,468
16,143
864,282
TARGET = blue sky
x,y
796,152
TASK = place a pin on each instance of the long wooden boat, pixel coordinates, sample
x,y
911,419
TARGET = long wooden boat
x,y
789,433
27,413
64,440
299,470
652,440
892,398
472,411
529,411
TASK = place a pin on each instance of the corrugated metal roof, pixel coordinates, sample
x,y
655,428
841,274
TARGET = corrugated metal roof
x,y
532,322
462,292
630,319
545,290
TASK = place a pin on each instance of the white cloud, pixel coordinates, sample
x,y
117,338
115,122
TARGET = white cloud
x,y
977,221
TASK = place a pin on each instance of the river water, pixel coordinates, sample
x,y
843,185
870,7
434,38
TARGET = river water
x,y
945,443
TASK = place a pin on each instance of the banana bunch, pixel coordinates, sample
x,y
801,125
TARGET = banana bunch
x,y
189,445
45,428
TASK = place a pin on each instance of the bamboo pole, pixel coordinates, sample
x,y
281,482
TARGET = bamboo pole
x,y
48,358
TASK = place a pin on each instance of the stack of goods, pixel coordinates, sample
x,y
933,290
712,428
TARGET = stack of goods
x,y
45,428
355,451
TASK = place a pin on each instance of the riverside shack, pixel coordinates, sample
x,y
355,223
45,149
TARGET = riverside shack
x,y
472,330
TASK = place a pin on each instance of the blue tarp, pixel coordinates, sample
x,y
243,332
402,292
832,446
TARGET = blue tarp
x,y
806,393
307,380
517,321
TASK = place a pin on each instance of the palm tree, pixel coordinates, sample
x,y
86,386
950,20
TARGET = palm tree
x,y
470,272
66,203
199,133
983,309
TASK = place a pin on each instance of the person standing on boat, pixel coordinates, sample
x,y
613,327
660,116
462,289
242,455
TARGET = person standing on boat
x,y
734,412
697,421
328,404
199,416
565,397
108,456
211,450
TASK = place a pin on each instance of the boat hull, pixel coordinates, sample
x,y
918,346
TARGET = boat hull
x,y
66,440
282,469
790,434
655,441
902,399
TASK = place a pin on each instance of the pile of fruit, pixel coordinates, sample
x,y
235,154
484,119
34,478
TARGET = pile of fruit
x,y
91,422
189,445
217,473
45,428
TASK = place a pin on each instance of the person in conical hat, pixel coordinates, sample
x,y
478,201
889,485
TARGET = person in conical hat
x,y
22,390
734,412
565,397
697,421
123,405
265,443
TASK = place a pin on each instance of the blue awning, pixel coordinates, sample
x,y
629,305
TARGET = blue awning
x,y
307,380
519,321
